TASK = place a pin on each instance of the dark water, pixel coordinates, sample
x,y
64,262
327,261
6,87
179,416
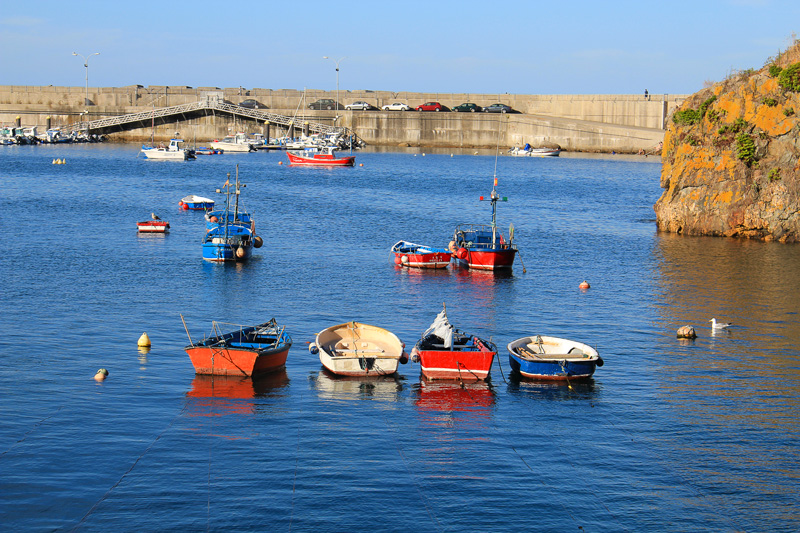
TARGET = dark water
x,y
670,435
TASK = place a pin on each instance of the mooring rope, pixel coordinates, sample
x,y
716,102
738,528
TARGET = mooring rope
x,y
108,492
34,428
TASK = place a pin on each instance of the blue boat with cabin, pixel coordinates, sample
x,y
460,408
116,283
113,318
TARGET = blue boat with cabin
x,y
230,233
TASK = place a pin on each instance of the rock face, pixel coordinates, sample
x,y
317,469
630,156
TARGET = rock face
x,y
731,157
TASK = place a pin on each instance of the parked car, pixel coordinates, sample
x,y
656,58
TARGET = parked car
x,y
431,106
325,103
252,104
498,108
467,107
397,106
363,106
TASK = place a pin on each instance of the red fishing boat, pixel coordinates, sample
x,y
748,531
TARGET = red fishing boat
x,y
319,156
247,351
408,254
447,353
482,246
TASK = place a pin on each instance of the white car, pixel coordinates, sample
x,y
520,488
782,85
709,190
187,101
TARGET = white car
x,y
397,106
363,106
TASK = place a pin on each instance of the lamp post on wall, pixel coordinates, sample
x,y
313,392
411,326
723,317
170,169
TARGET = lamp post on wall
x,y
337,84
86,64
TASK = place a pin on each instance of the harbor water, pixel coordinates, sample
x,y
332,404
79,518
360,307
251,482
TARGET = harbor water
x,y
669,435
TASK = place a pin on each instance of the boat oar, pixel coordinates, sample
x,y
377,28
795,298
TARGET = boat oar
x,y
521,261
187,330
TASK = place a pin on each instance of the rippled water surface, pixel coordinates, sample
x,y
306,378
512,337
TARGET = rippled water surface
x,y
697,435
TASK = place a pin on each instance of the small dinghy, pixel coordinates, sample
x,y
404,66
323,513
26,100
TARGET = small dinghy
x,y
153,226
552,358
356,349
412,255
246,351
448,353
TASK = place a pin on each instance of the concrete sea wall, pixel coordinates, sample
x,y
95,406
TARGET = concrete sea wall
x,y
623,123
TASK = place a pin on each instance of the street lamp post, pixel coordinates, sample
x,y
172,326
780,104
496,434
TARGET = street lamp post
x,y
337,83
86,64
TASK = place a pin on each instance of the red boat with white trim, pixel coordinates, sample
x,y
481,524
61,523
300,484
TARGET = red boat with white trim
x,y
408,254
447,353
153,226
319,156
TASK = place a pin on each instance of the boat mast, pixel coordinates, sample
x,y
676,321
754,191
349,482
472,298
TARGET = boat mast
x,y
236,211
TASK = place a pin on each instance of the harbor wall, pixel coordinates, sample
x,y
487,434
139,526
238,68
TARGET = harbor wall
x,y
576,122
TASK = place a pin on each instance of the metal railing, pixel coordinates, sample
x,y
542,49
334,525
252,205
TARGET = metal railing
x,y
210,105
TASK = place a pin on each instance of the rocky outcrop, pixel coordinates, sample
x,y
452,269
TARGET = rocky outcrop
x,y
731,157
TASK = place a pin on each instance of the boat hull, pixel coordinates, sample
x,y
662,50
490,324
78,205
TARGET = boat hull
x,y
356,349
196,203
232,147
218,252
321,160
236,361
153,226
456,364
485,259
561,359
167,155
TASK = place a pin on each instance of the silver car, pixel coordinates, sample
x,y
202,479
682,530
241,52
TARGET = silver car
x,y
362,106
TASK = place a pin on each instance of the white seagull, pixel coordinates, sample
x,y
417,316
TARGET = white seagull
x,y
719,325
155,217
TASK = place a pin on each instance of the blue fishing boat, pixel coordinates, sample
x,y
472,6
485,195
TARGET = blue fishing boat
x,y
552,358
230,233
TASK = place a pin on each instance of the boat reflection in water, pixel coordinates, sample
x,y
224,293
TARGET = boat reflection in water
x,y
553,390
454,395
329,386
215,395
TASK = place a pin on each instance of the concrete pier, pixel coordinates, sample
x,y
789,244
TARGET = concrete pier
x,y
597,123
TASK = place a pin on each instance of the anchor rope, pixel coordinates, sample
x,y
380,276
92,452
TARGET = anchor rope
x,y
108,492
34,428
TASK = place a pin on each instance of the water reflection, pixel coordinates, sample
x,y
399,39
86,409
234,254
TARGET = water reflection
x,y
220,395
553,390
454,396
329,386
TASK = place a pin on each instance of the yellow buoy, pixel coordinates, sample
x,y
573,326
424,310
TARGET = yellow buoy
x,y
361,164
144,340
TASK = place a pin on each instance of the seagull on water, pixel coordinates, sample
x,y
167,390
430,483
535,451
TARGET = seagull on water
x,y
154,216
719,325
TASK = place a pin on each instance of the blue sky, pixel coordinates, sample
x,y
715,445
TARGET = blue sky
x,y
522,47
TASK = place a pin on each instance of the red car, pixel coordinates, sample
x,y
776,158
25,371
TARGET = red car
x,y
431,106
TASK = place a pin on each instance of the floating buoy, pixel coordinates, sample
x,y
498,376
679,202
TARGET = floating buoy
x,y
451,155
584,285
144,340
280,162
423,154
313,348
361,164
686,332
101,374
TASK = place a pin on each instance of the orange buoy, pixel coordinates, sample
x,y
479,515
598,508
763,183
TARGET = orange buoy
x,y
361,164
280,162
213,219
101,374
584,285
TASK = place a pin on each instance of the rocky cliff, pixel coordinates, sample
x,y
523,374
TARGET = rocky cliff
x,y
731,157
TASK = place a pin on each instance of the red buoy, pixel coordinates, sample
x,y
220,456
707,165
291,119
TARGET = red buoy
x,y
584,285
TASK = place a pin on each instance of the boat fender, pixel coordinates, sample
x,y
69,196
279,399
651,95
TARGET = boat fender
x,y
452,247
600,361
240,252
397,259
403,358
415,354
313,348
404,259
258,242
462,253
